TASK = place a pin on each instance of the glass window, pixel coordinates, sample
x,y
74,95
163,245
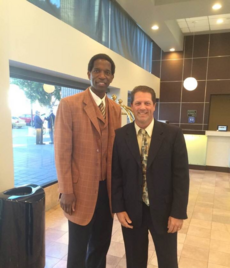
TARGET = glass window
x,y
107,23
32,143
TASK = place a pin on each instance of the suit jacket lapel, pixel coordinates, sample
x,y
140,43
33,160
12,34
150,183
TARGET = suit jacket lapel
x,y
131,140
110,115
156,141
90,111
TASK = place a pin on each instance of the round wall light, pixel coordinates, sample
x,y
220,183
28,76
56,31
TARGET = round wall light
x,y
190,83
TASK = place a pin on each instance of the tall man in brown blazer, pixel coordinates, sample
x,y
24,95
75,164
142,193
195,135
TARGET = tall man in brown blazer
x,y
84,133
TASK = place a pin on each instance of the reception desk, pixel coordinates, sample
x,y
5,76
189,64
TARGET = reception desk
x,y
218,148
210,151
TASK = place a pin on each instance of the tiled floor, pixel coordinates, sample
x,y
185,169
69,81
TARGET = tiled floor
x,y
203,242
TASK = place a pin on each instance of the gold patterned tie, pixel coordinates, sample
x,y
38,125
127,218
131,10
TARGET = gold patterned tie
x,y
102,108
144,159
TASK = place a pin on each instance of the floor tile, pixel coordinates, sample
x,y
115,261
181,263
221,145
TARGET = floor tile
x,y
50,262
192,252
191,263
203,242
198,231
220,258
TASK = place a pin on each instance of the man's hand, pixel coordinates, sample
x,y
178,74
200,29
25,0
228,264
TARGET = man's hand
x,y
124,219
68,202
174,225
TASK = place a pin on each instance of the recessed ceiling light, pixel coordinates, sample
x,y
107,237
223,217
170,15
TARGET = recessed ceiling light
x,y
155,27
172,49
217,6
219,21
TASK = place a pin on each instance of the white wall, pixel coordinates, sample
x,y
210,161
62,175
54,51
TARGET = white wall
x,y
41,41
6,155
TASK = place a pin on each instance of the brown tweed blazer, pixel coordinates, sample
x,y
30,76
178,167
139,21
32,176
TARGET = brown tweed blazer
x,y
77,142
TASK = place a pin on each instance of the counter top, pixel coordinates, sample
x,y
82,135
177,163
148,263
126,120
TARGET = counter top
x,y
217,133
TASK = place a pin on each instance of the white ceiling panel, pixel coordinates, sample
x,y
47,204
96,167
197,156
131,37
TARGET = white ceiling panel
x,y
175,18
220,27
199,29
221,16
185,30
198,23
196,19
214,22
182,23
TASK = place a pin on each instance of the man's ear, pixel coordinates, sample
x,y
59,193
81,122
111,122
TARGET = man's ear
x,y
88,73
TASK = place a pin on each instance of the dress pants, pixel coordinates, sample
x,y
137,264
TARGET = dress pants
x,y
39,135
88,245
136,244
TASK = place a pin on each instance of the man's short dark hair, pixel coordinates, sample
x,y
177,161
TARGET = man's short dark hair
x,y
143,89
101,57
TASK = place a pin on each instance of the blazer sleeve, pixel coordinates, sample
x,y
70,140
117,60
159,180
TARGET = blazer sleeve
x,y
180,175
63,147
117,183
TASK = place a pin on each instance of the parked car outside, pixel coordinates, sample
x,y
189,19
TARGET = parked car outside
x,y
26,118
17,122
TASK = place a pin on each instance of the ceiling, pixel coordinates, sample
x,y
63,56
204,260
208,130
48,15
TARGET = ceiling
x,y
177,18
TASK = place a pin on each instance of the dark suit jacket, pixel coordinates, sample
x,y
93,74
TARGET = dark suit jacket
x,y
38,122
51,120
167,175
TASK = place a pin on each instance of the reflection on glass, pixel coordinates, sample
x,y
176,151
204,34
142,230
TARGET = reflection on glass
x,y
34,164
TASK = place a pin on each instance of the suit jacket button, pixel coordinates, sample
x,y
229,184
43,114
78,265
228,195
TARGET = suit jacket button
x,y
98,150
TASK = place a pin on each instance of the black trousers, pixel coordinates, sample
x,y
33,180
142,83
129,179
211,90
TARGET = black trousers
x,y
88,245
136,244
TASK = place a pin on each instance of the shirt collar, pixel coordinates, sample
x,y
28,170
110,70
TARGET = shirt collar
x,y
149,128
96,98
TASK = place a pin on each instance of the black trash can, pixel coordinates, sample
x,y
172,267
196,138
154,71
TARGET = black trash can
x,y
22,227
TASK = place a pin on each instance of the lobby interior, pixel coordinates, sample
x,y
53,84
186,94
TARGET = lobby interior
x,y
30,41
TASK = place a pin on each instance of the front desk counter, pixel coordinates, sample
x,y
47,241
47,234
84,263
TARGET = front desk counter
x,y
211,149
218,148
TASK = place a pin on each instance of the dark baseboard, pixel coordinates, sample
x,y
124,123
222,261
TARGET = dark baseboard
x,y
210,168
197,167
218,169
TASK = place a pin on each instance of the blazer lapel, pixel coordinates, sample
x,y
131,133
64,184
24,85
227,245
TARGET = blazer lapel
x,y
131,140
111,113
90,111
156,141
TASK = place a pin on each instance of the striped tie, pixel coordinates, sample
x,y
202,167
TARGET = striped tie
x,y
102,108
144,159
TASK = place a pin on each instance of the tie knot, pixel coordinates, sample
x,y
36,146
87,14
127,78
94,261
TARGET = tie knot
x,y
142,131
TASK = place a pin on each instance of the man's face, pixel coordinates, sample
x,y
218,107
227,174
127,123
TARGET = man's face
x,y
100,76
143,108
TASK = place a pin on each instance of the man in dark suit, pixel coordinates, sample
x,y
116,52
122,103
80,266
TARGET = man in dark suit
x,y
150,183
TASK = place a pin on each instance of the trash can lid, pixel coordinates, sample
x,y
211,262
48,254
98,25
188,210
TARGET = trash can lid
x,y
26,193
